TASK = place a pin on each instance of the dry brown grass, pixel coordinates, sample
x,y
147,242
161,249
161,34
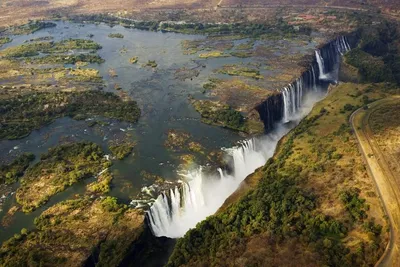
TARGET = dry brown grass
x,y
18,12
385,125
241,95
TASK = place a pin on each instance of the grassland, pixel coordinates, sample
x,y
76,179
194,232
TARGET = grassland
x,y
61,167
385,126
382,164
236,70
213,54
314,200
219,114
239,94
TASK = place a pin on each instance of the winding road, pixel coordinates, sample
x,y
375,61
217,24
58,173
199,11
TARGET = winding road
x,y
386,181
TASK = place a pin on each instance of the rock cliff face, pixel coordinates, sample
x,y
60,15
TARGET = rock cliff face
x,y
271,111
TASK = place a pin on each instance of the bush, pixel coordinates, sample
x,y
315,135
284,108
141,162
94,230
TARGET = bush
x,y
10,173
78,105
354,205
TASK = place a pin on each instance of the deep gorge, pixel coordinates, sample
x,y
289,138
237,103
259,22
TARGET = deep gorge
x,y
321,72
180,209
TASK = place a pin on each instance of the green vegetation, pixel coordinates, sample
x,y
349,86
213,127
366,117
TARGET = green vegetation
x,y
191,47
82,75
134,60
24,113
10,173
216,113
355,205
5,40
59,168
213,54
276,30
209,86
101,185
253,30
116,35
71,232
245,46
66,59
121,150
371,69
40,39
384,122
33,49
280,209
235,70
32,27
176,140
242,54
378,56
151,63
196,147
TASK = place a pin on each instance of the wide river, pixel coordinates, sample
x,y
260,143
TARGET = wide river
x,y
162,98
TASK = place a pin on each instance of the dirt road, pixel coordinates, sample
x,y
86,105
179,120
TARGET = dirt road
x,y
387,182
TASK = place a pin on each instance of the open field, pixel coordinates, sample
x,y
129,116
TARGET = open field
x,y
20,11
382,165
38,9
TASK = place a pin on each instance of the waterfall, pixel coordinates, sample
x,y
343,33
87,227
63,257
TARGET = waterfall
x,y
321,65
202,194
314,80
293,95
329,56
342,45
287,104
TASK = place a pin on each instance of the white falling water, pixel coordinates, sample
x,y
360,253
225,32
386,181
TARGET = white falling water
x,y
287,104
348,48
292,99
201,195
292,91
314,79
321,65
342,45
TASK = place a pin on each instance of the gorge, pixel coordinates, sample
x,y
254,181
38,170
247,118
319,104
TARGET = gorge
x,y
202,194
